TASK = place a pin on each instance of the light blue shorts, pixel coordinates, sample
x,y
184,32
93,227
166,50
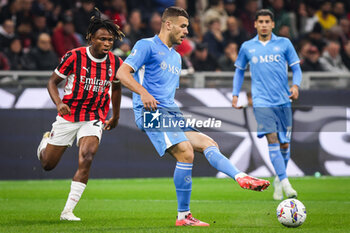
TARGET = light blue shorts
x,y
163,137
277,119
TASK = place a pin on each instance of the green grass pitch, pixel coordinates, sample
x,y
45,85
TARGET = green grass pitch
x,y
149,205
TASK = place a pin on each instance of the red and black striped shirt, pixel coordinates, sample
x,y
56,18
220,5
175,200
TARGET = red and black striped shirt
x,y
88,80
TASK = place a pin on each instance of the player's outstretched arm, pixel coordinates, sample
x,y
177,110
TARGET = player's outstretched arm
x,y
124,75
62,108
116,99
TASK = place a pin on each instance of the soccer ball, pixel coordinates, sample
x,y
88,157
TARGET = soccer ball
x,y
291,213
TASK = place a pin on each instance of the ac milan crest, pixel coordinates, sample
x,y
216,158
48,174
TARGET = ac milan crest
x,y
110,71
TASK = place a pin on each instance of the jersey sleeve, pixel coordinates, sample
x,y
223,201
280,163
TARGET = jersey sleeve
x,y
242,60
238,79
139,54
297,75
115,79
291,54
65,67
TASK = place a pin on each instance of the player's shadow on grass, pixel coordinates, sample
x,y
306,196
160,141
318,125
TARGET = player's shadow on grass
x,y
23,222
87,226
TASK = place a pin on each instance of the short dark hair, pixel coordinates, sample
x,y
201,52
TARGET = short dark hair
x,y
264,12
174,11
97,23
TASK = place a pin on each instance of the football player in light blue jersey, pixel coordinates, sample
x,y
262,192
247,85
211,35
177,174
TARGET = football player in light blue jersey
x,y
269,56
157,71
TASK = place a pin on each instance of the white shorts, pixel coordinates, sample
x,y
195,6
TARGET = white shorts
x,y
64,132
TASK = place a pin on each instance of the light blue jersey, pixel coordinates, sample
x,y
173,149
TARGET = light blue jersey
x,y
157,68
269,69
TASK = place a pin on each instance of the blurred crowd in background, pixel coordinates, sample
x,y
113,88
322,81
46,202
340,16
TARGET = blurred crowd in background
x,y
34,34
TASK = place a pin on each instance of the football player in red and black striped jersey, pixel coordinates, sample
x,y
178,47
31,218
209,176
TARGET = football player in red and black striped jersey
x,y
88,72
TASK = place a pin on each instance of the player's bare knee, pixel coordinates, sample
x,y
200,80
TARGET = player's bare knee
x,y
284,146
211,142
208,143
87,157
184,153
272,138
187,156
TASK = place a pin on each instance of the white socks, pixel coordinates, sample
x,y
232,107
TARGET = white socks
x,y
42,146
182,215
76,190
240,175
285,183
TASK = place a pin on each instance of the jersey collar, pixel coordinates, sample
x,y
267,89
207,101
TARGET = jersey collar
x,y
98,60
273,37
159,41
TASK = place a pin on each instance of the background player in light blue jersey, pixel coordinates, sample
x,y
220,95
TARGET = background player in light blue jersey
x,y
157,70
268,57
